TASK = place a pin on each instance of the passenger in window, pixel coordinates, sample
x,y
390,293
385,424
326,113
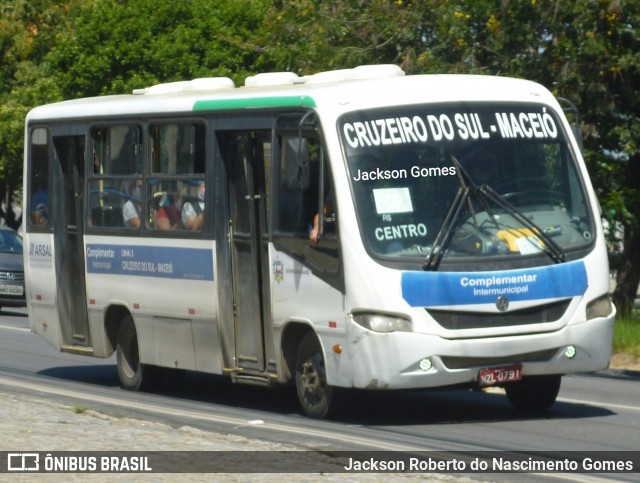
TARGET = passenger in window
x,y
327,212
97,165
168,214
193,210
40,205
133,207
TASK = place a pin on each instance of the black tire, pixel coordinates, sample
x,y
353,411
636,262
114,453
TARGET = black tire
x,y
130,371
534,393
314,394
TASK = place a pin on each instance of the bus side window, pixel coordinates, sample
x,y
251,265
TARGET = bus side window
x,y
177,167
39,149
115,150
291,191
297,185
299,200
177,148
126,150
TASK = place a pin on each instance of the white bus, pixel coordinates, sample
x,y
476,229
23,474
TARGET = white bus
x,y
349,229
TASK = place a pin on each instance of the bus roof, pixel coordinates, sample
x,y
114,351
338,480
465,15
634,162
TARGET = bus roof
x,y
340,90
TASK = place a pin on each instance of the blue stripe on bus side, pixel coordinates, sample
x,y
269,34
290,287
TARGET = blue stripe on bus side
x,y
150,261
433,289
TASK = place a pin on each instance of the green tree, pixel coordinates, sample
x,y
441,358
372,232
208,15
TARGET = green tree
x,y
306,36
27,31
117,46
598,61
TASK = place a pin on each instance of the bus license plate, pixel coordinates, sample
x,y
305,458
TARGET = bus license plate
x,y
499,375
11,290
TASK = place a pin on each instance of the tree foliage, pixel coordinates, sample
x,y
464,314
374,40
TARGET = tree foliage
x,y
585,50
117,46
27,30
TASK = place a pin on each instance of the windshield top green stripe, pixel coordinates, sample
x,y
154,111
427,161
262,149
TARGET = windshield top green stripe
x,y
254,102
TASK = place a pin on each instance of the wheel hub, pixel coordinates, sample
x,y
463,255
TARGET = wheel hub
x,y
311,380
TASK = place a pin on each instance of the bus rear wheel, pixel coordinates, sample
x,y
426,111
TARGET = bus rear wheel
x,y
130,370
314,394
534,393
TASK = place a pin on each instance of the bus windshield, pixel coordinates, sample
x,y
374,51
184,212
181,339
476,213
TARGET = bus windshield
x,y
462,181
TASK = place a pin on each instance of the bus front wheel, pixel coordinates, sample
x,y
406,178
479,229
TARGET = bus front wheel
x,y
314,394
130,370
533,393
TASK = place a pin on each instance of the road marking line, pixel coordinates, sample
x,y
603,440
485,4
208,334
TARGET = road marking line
x,y
499,390
14,328
599,404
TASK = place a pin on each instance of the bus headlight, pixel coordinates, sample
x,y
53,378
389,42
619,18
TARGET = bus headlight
x,y
600,307
383,323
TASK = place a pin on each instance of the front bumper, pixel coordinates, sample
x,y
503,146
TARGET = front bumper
x,y
403,360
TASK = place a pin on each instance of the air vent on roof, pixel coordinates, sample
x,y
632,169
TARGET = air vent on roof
x,y
375,71
210,84
201,84
357,73
327,76
271,79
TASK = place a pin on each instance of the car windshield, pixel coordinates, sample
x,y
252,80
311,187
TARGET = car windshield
x,y
454,181
10,242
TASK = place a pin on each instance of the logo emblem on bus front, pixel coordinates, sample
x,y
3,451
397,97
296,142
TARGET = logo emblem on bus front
x,y
502,303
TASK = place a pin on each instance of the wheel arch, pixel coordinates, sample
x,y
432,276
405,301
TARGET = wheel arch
x,y
112,318
292,334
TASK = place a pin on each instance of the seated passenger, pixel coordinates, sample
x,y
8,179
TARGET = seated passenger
x,y
132,207
39,206
168,214
193,211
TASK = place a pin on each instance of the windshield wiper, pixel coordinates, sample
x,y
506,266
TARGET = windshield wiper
x,y
446,229
483,195
444,234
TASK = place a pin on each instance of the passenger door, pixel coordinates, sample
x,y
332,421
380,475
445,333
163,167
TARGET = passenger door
x,y
246,158
67,205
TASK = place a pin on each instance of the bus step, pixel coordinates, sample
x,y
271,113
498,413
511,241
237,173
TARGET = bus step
x,y
254,379
77,349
